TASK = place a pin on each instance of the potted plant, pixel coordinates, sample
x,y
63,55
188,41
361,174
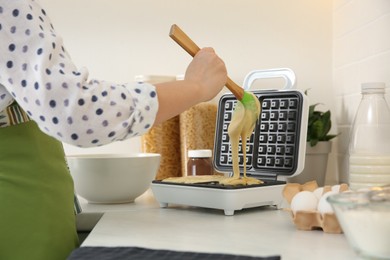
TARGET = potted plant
x,y
318,126
318,146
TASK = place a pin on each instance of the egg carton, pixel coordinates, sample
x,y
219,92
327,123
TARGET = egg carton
x,y
310,219
313,220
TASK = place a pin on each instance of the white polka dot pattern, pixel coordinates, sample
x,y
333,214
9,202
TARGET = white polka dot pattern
x,y
37,72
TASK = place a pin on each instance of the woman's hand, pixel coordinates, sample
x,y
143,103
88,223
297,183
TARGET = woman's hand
x,y
205,77
208,71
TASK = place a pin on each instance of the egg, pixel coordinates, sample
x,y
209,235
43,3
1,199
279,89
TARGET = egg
x,y
318,192
304,200
323,205
336,188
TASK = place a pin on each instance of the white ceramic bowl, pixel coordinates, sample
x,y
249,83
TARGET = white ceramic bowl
x,y
110,178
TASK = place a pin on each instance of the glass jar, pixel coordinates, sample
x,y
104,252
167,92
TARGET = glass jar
x,y
369,148
163,138
199,162
197,130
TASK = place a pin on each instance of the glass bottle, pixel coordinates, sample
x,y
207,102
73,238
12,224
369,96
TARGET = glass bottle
x,y
369,148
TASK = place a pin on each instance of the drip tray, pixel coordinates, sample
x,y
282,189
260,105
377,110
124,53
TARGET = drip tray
x,y
216,196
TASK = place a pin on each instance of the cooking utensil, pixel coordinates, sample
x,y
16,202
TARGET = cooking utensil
x,y
249,101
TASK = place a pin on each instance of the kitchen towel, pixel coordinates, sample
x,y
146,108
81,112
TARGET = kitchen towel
x,y
125,253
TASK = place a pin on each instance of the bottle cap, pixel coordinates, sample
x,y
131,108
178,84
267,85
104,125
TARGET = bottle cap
x,y
199,153
369,87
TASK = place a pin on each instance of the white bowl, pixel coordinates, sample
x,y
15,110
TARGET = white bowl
x,y
111,178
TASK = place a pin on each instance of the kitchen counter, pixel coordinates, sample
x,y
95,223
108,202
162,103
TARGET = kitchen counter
x,y
263,231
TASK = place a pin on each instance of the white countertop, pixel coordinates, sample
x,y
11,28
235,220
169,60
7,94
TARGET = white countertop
x,y
263,231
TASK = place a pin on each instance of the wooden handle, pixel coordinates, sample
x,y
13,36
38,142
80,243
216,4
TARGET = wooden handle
x,y
190,46
183,40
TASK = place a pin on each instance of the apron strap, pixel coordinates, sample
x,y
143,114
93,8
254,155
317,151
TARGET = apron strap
x,y
13,115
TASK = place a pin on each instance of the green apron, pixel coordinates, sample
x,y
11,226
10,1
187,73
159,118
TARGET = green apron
x,y
37,219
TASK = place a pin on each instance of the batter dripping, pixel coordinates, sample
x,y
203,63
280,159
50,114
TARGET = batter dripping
x,y
243,122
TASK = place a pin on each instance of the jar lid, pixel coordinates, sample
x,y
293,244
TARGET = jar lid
x,y
373,87
154,79
199,153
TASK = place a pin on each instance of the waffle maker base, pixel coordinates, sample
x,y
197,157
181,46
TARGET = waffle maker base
x,y
227,198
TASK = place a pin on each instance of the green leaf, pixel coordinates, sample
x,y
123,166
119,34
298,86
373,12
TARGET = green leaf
x,y
329,137
313,142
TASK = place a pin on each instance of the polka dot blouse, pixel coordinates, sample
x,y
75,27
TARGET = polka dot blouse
x,y
37,72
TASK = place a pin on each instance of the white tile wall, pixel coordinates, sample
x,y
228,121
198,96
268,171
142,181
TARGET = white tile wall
x,y
361,53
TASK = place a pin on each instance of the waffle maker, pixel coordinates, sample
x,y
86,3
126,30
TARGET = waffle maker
x,y
275,151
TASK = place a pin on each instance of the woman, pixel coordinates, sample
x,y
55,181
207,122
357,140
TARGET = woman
x,y
45,100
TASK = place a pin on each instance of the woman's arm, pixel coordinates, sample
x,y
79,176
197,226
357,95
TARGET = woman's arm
x,y
205,77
